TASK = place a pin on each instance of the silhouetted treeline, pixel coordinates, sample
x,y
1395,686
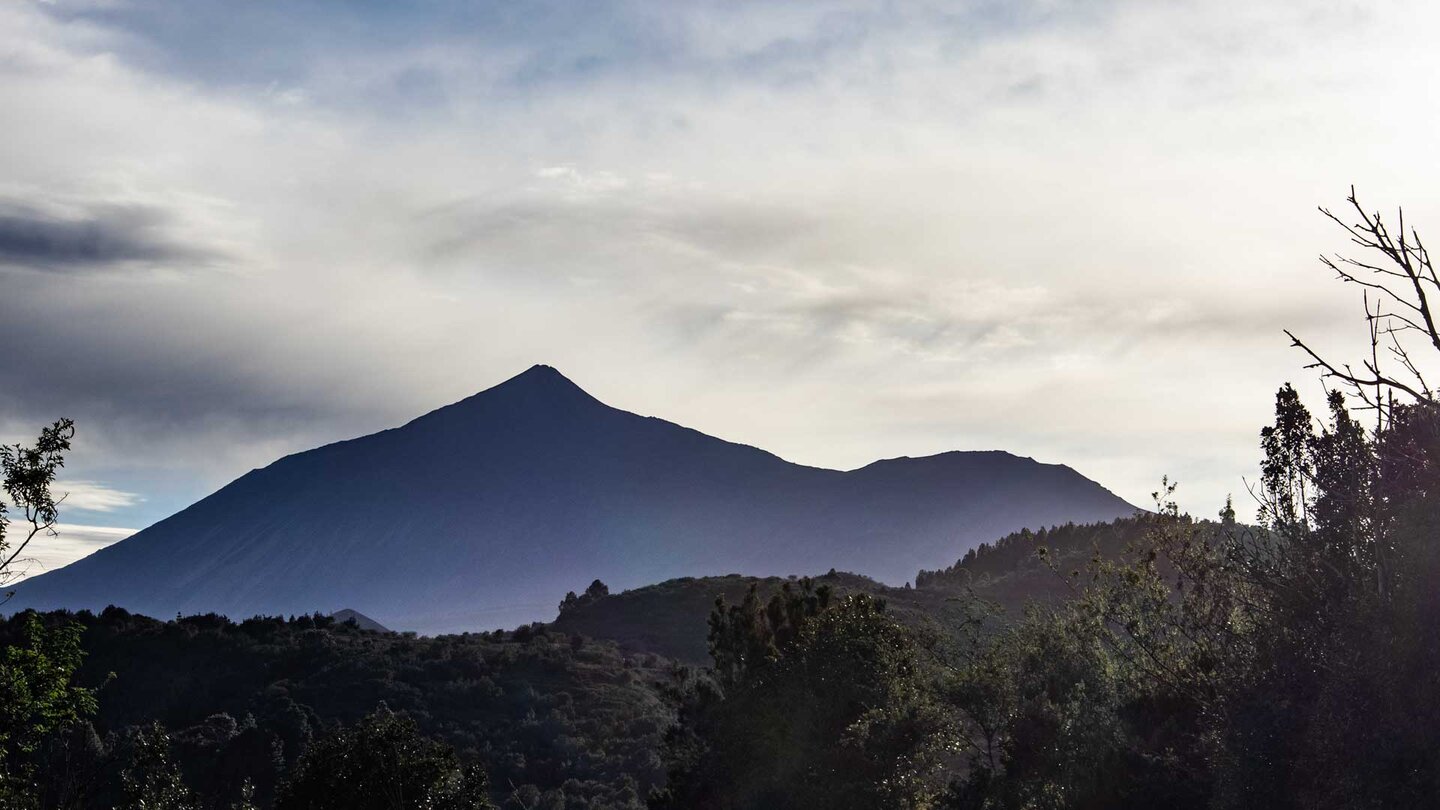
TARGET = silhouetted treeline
x,y
670,618
1014,554
552,718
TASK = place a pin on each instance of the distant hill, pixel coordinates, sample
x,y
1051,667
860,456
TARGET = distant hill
x,y
670,618
360,619
478,514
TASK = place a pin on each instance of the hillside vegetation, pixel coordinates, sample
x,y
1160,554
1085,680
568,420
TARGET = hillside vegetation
x,y
671,618
551,717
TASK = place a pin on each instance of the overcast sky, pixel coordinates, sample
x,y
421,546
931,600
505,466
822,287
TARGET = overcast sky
x,y
839,231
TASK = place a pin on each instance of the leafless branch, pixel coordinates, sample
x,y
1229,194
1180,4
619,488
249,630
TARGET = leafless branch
x,y
1403,281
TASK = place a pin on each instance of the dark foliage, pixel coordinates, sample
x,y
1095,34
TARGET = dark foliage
x,y
550,721
39,701
671,618
597,590
809,705
382,763
151,779
1010,571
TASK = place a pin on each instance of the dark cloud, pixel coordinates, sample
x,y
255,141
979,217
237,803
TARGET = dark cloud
x,y
101,236
199,372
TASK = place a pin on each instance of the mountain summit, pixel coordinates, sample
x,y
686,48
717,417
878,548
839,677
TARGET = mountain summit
x,y
484,513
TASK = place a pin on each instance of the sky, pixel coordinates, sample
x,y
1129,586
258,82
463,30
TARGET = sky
x,y
839,231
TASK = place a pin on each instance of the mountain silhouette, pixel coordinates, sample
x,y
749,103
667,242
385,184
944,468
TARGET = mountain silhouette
x,y
482,514
360,619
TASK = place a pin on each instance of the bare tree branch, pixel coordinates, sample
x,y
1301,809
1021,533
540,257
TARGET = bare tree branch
x,y
1403,275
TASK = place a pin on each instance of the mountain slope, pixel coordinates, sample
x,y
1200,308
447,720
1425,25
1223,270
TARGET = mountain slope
x,y
482,513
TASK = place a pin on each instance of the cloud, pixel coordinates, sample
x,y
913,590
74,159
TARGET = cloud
x,y
69,543
97,237
91,496
832,229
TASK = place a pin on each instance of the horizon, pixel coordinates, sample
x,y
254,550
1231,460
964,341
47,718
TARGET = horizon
x,y
834,232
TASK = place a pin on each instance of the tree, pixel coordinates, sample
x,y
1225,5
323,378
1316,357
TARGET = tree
x,y
38,699
37,695
809,705
1341,708
597,590
1104,701
382,763
746,637
152,780
28,474
1399,282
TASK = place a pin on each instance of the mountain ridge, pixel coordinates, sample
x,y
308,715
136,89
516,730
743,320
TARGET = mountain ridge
x,y
482,512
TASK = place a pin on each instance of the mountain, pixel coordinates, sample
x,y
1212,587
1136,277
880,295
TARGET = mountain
x,y
483,513
360,619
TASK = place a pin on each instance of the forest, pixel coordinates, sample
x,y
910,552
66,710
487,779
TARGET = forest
x,y
1281,658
